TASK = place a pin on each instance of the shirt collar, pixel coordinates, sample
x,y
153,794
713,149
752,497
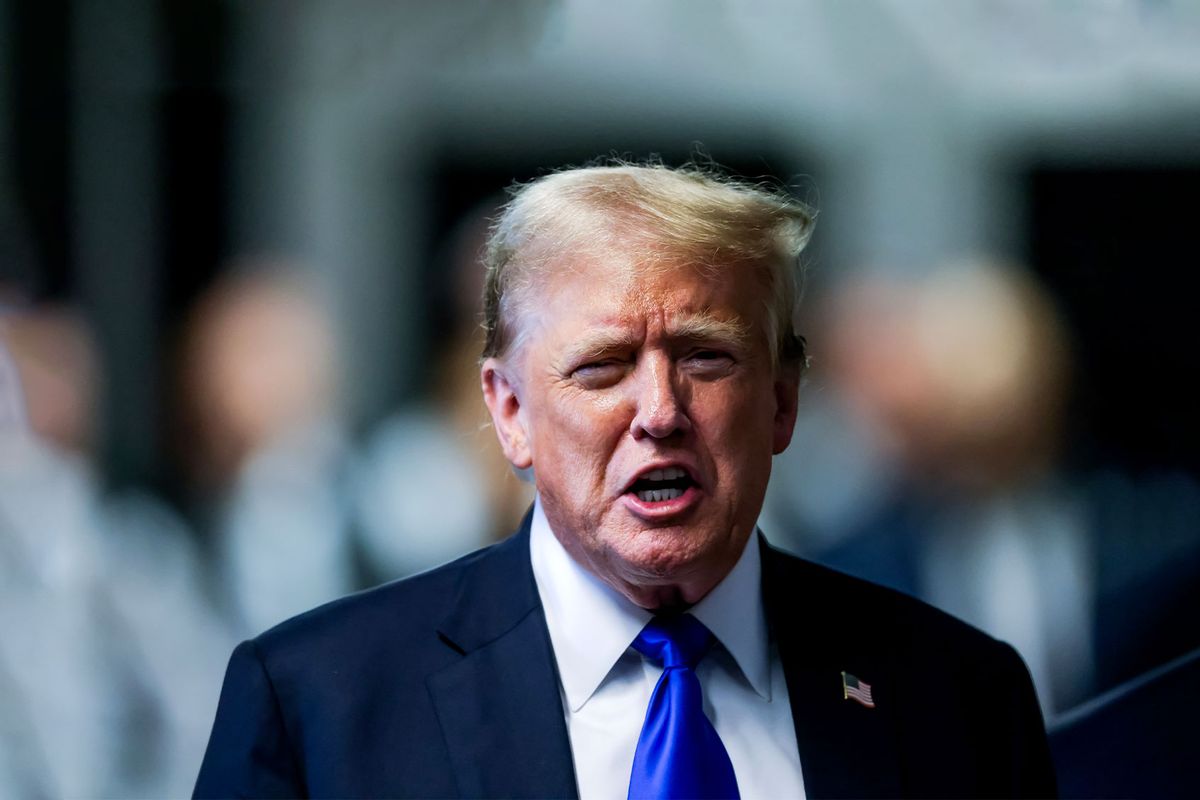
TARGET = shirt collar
x,y
592,625
734,612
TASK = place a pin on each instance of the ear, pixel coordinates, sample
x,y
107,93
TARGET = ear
x,y
500,392
787,401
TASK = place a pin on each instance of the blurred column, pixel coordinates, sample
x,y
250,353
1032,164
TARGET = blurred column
x,y
37,164
323,171
116,71
907,189
6,115
915,193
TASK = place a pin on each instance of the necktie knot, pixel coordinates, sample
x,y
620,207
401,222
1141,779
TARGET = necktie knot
x,y
676,641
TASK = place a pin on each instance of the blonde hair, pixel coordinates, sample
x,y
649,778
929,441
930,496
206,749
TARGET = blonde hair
x,y
692,212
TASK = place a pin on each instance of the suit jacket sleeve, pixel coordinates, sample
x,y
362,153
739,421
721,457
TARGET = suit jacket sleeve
x,y
1032,768
249,753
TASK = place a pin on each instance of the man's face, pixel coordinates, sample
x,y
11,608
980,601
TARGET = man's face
x,y
648,405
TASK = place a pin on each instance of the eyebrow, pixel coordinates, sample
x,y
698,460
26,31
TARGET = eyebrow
x,y
704,327
596,344
699,327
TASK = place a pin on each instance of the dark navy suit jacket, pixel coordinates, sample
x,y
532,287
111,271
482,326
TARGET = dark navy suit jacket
x,y
445,685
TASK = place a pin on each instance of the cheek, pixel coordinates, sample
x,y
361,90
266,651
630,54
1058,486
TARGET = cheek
x,y
727,407
736,424
576,438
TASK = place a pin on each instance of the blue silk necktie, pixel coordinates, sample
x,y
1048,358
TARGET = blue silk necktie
x,y
679,754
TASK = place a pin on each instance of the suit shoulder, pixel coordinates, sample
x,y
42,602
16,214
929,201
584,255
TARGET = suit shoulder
x,y
404,610
884,612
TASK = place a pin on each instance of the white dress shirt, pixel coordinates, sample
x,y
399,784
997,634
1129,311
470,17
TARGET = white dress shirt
x,y
606,684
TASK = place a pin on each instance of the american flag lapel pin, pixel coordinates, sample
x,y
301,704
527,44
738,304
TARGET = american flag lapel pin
x,y
854,689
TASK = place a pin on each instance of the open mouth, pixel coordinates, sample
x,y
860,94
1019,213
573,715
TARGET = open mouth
x,y
661,485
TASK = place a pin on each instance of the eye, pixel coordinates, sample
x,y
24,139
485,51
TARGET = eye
x,y
708,361
708,355
599,374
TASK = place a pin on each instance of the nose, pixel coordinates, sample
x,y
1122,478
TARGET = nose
x,y
660,410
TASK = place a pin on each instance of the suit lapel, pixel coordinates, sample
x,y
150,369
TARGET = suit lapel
x,y
846,749
499,706
501,711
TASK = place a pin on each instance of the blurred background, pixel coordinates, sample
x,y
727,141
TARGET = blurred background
x,y
238,317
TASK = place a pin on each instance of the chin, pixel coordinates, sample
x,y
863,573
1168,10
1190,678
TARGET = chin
x,y
656,560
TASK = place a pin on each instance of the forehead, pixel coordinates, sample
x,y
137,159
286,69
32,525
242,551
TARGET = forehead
x,y
625,290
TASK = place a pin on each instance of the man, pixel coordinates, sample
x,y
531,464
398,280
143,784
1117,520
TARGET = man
x,y
641,359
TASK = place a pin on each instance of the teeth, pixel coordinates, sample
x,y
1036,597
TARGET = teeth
x,y
659,495
668,474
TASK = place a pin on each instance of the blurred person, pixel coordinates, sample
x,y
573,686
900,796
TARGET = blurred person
x,y
58,368
263,448
57,710
441,442
641,359
825,492
12,400
958,381
105,637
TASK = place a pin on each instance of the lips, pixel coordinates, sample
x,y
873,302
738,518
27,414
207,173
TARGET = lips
x,y
662,490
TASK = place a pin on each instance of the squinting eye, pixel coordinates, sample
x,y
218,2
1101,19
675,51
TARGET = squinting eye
x,y
708,362
598,373
709,356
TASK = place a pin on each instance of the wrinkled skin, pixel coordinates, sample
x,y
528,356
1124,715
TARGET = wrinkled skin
x,y
624,367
